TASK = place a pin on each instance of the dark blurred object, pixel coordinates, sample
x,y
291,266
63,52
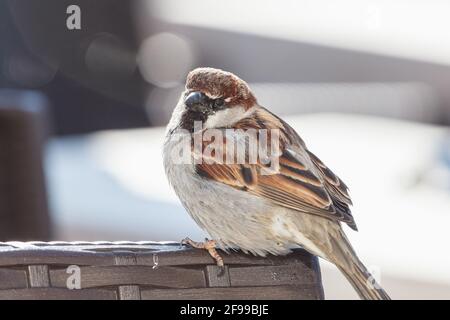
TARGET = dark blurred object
x,y
23,203
151,271
89,75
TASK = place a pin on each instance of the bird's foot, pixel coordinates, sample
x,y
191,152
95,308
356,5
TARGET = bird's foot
x,y
210,246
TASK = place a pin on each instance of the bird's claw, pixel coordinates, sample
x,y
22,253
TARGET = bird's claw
x,y
185,241
210,246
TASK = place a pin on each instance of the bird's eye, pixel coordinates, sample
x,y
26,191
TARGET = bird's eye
x,y
218,103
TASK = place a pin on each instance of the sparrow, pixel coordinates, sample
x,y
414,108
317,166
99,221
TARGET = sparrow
x,y
299,202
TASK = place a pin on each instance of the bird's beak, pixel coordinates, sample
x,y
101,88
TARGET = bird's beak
x,y
196,100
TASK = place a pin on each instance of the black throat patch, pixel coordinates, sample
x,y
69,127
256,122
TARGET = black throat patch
x,y
189,117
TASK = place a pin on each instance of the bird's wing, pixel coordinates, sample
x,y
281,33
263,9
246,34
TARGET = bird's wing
x,y
301,181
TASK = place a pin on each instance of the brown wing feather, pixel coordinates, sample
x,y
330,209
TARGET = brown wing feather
x,y
332,181
302,183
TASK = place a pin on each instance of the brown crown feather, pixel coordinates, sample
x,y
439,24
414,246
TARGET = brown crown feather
x,y
219,83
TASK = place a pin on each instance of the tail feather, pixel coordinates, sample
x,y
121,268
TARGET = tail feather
x,y
347,261
364,283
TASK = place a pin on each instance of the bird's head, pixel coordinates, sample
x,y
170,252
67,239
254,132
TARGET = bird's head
x,y
216,92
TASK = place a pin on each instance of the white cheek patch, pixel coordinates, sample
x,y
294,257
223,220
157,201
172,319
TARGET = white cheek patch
x,y
227,117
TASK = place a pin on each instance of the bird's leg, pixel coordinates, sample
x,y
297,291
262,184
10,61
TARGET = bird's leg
x,y
210,246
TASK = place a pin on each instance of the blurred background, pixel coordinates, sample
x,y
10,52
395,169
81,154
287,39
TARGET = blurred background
x,y
85,94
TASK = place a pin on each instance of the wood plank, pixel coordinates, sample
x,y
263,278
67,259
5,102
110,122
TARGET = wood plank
x,y
213,278
242,293
126,271
11,278
104,256
54,256
57,294
129,275
191,256
271,276
38,276
129,293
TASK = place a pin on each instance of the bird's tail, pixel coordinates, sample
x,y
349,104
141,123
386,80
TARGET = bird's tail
x,y
356,273
363,282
